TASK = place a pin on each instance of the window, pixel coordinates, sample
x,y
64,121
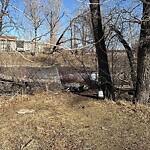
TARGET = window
x,y
20,44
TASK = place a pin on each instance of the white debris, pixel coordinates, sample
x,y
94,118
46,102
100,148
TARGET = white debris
x,y
94,76
25,111
100,94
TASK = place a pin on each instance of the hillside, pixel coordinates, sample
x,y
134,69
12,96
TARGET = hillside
x,y
61,58
64,121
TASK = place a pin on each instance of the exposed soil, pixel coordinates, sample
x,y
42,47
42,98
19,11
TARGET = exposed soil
x,y
64,121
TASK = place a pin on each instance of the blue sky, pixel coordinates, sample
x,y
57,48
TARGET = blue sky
x,y
71,5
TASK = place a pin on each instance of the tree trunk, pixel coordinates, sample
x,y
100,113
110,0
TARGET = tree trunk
x,y
35,40
1,24
103,67
71,34
143,65
51,30
51,39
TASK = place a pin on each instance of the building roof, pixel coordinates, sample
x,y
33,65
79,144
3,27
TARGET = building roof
x,y
8,37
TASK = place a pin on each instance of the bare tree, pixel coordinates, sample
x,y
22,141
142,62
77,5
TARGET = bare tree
x,y
34,10
129,54
3,12
82,28
53,17
104,74
124,22
143,65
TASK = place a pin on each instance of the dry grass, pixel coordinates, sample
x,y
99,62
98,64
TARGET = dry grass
x,y
63,58
63,121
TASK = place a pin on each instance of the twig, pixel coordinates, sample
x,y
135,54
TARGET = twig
x,y
26,144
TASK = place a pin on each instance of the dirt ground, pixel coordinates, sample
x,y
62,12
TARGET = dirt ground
x,y
64,121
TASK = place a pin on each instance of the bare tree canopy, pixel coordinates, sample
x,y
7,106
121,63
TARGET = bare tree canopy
x,y
3,12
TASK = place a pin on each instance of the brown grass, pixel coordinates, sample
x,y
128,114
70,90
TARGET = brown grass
x,y
63,121
62,58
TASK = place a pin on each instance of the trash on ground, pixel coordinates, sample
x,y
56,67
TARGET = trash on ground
x,y
25,111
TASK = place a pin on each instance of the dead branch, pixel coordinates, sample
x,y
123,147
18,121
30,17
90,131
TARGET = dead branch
x,y
129,54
